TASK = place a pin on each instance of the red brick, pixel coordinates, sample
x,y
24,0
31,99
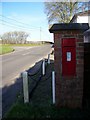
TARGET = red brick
x,y
57,49
68,36
80,61
81,49
79,40
80,36
57,36
65,94
76,32
80,53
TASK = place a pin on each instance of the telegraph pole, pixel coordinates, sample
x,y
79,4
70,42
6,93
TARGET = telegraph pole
x,y
40,33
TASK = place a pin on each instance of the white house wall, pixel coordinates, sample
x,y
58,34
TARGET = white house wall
x,y
82,19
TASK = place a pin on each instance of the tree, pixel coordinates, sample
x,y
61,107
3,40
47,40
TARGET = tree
x,y
63,11
14,37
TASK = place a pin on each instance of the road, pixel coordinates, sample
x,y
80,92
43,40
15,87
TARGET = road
x,y
21,59
15,63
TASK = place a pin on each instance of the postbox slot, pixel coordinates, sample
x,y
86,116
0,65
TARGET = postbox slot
x,y
68,57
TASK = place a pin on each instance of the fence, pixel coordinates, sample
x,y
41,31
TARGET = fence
x,y
30,81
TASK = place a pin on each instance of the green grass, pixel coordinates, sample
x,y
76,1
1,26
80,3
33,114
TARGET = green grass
x,y
32,111
6,49
40,105
32,44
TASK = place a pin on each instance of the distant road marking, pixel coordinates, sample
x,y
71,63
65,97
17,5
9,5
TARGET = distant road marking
x,y
26,53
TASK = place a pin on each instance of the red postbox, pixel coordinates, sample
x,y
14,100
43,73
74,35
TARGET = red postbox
x,y
69,57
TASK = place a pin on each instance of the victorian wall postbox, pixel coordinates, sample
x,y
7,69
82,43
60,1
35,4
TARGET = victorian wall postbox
x,y
69,63
69,57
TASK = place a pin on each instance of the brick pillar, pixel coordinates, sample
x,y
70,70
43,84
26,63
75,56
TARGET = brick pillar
x,y
69,90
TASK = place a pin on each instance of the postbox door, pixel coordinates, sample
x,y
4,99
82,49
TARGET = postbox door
x,y
68,60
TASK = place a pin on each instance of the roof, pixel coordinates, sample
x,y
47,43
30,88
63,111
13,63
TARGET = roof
x,y
69,26
80,14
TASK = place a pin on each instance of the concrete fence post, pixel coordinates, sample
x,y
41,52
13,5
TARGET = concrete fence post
x,y
53,86
25,87
43,67
48,58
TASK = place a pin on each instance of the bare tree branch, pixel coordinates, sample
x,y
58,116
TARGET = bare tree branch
x,y
63,11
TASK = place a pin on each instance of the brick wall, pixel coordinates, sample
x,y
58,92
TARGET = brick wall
x,y
69,90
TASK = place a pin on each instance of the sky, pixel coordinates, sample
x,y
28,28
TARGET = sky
x,y
25,16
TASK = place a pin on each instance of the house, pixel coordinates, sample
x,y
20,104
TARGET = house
x,y
81,17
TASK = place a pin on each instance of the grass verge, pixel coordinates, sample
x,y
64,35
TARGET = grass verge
x,y
5,49
27,45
